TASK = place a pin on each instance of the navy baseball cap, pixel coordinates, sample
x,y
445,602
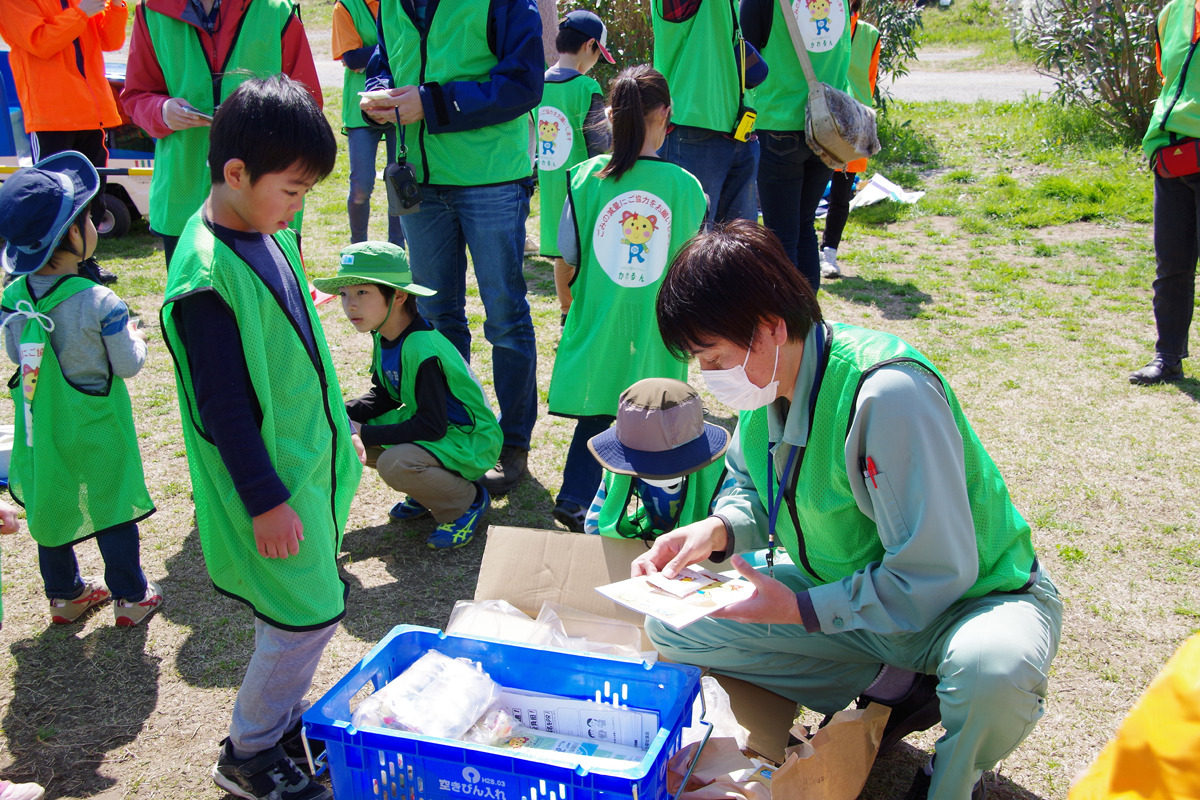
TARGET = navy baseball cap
x,y
590,26
38,204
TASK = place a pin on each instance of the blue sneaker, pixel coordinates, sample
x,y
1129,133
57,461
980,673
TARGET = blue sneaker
x,y
409,509
461,531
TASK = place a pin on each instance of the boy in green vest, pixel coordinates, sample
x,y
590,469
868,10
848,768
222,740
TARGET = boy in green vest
x,y
76,467
572,128
662,451
273,461
431,432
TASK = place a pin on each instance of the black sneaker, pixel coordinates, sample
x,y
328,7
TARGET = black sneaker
x,y
508,471
919,790
918,710
1158,370
293,744
570,515
92,269
270,775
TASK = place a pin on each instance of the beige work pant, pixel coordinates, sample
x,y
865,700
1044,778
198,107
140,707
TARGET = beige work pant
x,y
416,472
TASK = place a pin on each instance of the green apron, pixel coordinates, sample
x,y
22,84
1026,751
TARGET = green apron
x,y
1177,109
561,144
355,82
696,499
628,235
304,428
76,467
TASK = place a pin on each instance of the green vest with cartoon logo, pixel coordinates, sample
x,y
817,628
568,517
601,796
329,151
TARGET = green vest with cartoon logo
x,y
304,428
838,539
696,57
780,100
355,82
1177,109
696,499
469,449
181,175
629,231
561,144
75,467
453,48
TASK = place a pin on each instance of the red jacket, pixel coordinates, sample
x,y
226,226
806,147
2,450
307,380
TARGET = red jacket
x,y
146,88
58,62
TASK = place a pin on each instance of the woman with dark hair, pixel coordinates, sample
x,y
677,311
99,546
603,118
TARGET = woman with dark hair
x,y
625,217
912,579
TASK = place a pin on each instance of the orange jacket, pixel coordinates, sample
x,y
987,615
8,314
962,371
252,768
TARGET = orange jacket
x,y
58,63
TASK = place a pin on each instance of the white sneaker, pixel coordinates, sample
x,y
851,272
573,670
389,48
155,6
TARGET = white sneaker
x,y
21,791
829,265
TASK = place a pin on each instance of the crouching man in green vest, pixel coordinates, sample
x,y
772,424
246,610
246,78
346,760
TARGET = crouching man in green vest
x,y
912,579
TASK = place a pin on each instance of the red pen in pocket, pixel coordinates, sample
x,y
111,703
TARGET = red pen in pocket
x,y
871,471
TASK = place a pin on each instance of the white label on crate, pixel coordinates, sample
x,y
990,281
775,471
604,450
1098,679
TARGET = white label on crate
x,y
584,719
471,782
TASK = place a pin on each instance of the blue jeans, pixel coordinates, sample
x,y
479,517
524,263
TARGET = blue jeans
x,y
791,183
724,166
490,220
1176,228
363,144
582,473
121,551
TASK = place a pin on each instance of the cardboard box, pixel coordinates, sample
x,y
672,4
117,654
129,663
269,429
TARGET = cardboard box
x,y
527,567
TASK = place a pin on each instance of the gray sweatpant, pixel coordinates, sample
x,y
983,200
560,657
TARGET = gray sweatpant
x,y
280,674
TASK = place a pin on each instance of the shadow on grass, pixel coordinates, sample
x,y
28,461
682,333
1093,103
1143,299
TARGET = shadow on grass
x,y
539,276
894,771
1190,387
895,300
75,699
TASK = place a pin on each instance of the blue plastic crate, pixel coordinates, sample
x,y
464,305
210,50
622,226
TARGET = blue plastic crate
x,y
381,764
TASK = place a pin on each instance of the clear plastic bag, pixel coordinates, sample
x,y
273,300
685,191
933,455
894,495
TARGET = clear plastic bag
x,y
495,725
719,713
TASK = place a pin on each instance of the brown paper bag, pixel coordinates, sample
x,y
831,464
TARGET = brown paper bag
x,y
834,763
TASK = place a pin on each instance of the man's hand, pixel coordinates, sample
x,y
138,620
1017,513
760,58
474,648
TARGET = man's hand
x,y
278,532
178,118
772,602
92,7
405,99
681,548
9,523
358,447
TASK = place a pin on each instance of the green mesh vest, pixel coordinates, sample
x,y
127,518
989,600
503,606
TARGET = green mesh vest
x,y
304,428
780,100
355,82
629,230
560,145
862,50
469,450
837,538
453,48
181,175
699,491
696,57
1177,109
76,467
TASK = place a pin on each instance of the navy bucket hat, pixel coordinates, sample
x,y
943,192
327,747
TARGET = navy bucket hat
x,y
38,204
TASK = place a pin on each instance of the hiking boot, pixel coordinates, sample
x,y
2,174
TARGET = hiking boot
x,y
829,265
509,469
570,515
270,775
1158,370
460,532
293,744
21,791
918,710
409,509
131,612
93,593
919,790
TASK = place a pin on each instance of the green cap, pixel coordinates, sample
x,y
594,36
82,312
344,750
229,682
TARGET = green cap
x,y
373,262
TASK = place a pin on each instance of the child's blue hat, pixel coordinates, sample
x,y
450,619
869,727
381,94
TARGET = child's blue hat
x,y
38,204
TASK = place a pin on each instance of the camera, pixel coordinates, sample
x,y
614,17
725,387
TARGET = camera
x,y
403,191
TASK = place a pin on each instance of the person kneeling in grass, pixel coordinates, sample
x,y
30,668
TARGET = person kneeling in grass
x,y
427,425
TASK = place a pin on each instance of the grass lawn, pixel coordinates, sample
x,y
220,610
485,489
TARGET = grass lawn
x,y
979,27
1024,273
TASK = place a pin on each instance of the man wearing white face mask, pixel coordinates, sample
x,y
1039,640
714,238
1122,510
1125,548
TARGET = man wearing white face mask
x,y
913,580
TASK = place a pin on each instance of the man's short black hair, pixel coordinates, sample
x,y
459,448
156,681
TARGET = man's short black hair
x,y
570,40
271,124
727,280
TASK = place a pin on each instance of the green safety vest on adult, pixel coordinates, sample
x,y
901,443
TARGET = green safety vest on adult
x,y
469,450
838,539
181,174
453,48
304,428
862,51
561,144
696,57
355,82
1177,109
76,467
628,235
780,100
696,499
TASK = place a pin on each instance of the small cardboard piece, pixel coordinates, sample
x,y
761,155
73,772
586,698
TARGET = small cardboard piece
x,y
527,567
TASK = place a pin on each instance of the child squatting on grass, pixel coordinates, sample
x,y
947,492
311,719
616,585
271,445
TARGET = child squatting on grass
x,y
430,430
273,461
75,346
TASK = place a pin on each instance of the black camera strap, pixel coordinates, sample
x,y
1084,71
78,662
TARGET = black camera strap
x,y
401,150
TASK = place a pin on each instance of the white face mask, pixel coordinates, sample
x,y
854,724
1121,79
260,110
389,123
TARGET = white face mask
x,y
733,387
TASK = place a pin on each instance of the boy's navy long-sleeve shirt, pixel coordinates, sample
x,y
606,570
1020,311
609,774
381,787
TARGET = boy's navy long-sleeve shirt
x,y
225,396
515,88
